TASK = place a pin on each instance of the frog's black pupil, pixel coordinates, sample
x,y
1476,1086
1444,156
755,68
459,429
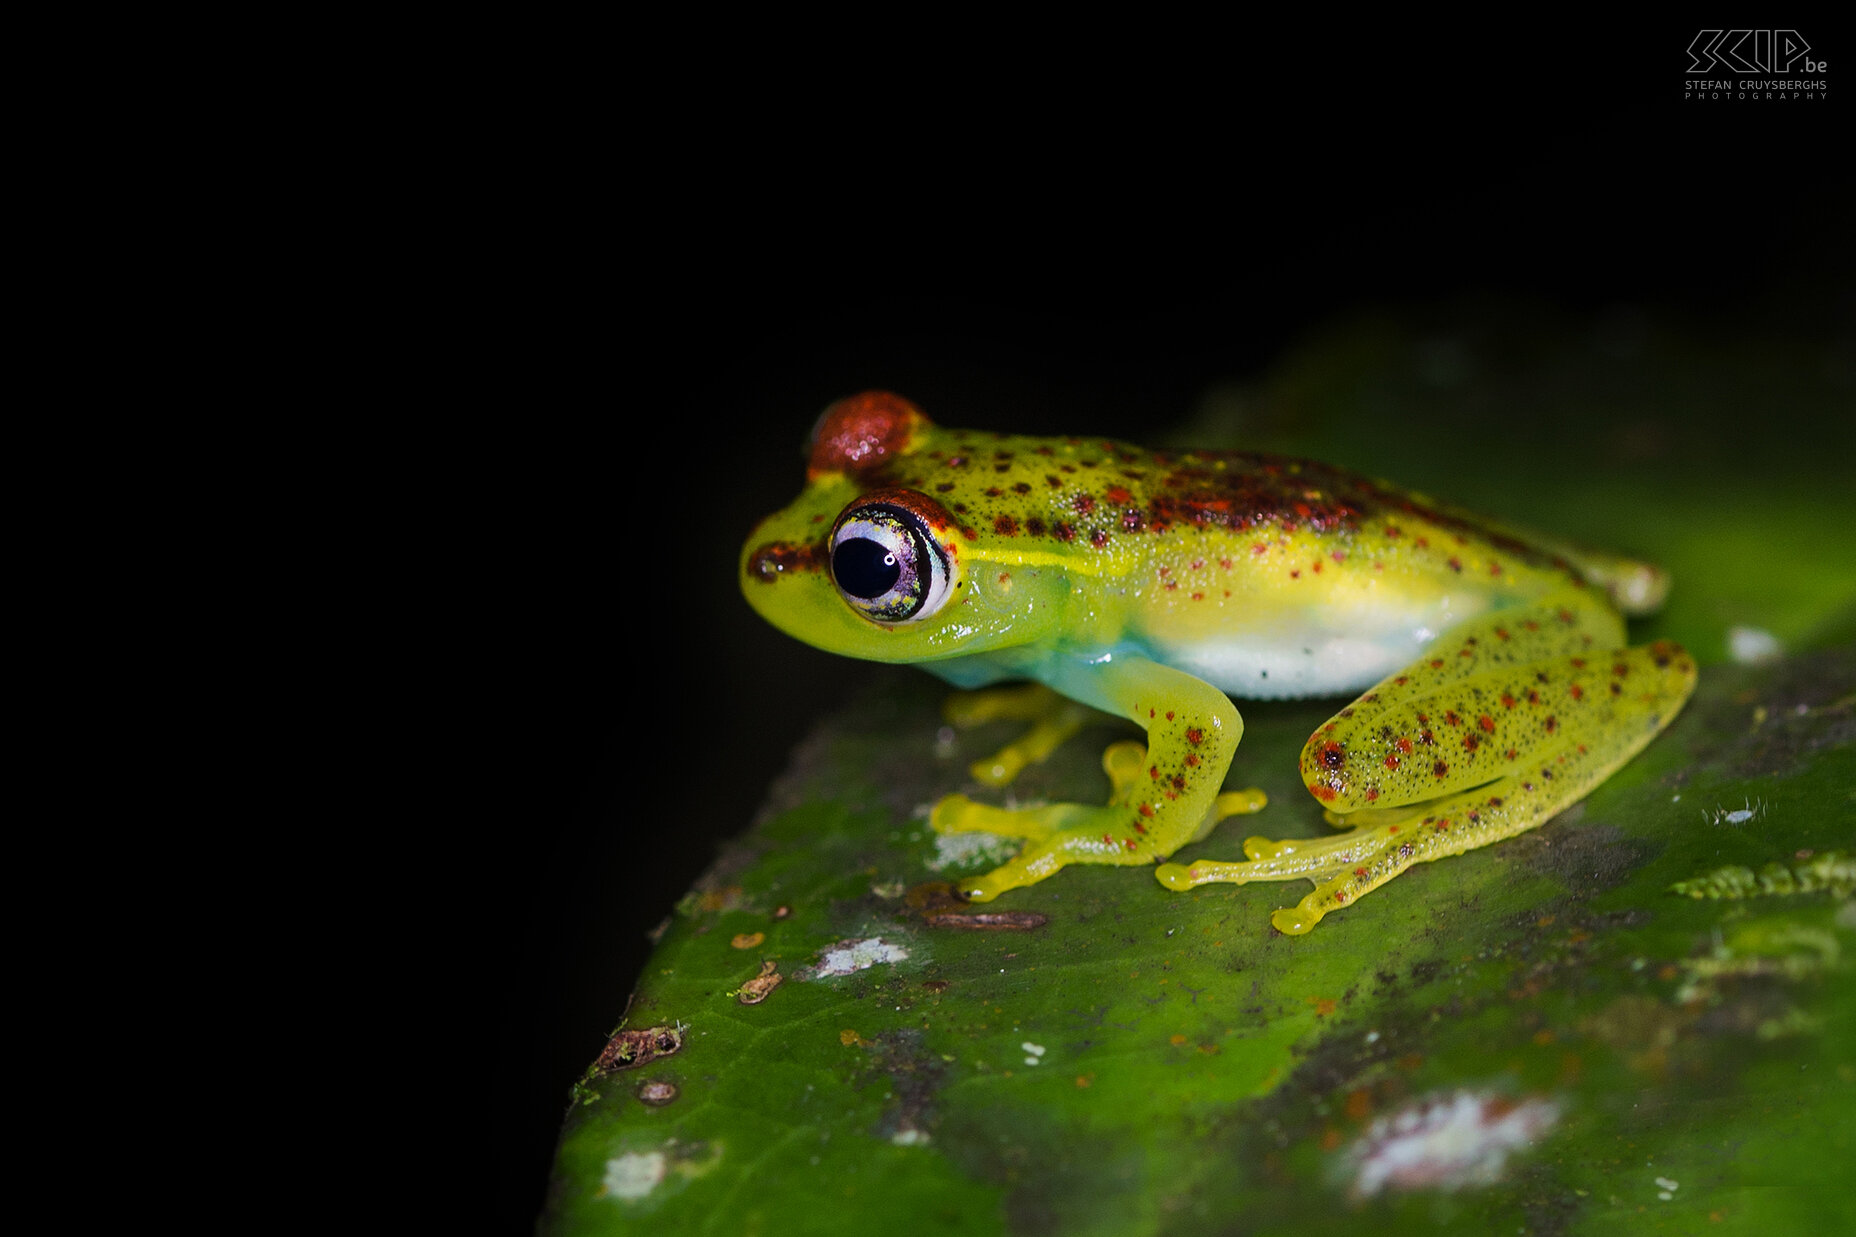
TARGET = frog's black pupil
x,y
865,568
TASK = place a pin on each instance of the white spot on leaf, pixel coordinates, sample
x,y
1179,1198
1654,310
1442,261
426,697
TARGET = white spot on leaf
x,y
632,1175
1751,645
848,956
1446,1142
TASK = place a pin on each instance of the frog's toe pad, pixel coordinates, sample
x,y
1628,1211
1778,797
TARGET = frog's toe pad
x,y
1260,849
999,769
982,888
952,814
1175,876
1246,802
1297,920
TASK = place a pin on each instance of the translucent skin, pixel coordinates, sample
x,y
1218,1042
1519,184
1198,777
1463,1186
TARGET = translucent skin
x,y
1151,584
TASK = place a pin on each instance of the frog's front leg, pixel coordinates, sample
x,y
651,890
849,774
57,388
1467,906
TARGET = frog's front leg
x,y
1053,719
1503,724
1159,804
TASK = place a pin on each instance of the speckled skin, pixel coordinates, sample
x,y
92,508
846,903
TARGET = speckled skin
x,y
1150,584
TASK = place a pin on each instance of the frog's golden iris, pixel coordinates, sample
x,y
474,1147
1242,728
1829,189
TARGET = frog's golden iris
x,y
1493,686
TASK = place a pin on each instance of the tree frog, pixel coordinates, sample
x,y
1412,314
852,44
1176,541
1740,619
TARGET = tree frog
x,y
1492,685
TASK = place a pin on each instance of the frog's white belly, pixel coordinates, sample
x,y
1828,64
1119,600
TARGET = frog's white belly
x,y
1311,666
1311,661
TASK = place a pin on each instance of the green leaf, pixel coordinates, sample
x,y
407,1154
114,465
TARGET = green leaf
x,y
1586,1029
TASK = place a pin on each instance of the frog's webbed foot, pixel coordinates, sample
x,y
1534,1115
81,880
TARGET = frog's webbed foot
x,y
1506,722
1053,719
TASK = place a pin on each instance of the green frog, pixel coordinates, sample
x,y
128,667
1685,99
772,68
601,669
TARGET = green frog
x,y
1491,680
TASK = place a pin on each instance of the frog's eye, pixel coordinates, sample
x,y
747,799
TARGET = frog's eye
x,y
886,563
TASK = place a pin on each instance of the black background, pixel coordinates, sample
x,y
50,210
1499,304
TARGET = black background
x,y
689,266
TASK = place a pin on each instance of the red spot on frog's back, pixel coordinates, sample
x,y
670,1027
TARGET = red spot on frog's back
x,y
857,434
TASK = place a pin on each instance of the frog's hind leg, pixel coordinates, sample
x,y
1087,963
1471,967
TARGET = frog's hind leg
x,y
1348,867
1053,719
1634,586
1475,700
1503,724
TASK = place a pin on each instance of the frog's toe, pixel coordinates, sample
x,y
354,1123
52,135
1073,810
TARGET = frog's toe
x,y
952,814
998,769
980,889
1053,719
959,814
1175,876
1259,849
1126,766
1180,877
1245,802
1297,920
1022,702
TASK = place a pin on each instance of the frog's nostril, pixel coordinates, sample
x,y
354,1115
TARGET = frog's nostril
x,y
767,563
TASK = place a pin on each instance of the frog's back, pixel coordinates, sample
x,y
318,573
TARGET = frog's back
x,y
1121,508
1267,575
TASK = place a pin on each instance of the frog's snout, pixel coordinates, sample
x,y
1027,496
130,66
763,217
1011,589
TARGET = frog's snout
x,y
767,562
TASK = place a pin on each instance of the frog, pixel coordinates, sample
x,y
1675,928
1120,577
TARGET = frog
x,y
1491,682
